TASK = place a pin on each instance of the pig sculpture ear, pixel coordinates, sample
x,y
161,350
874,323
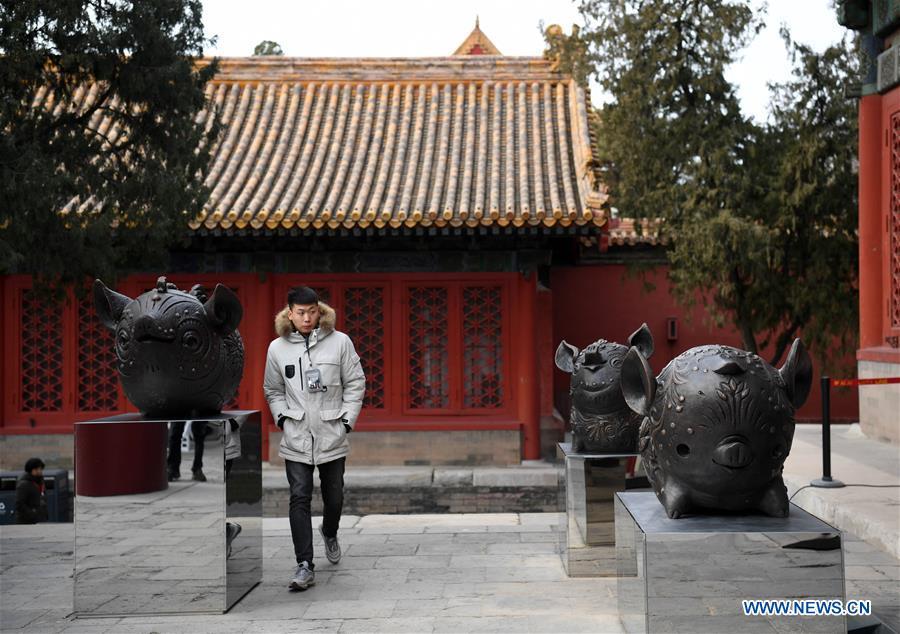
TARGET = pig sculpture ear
x,y
565,356
223,308
797,374
642,339
638,382
109,304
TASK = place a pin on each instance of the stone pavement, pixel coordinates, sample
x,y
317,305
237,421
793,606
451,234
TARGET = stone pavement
x,y
870,513
400,573
418,573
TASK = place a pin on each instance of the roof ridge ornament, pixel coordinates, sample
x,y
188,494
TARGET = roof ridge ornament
x,y
477,43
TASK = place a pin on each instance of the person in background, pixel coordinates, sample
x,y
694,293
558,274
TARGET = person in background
x,y
31,505
173,459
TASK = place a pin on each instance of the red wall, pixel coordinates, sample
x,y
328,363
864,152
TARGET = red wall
x,y
603,301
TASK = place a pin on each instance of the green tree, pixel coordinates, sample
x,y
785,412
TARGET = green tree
x,y
788,262
744,205
103,146
267,47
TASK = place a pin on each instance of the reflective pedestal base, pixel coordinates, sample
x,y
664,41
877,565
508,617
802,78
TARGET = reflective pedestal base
x,y
587,490
191,547
691,574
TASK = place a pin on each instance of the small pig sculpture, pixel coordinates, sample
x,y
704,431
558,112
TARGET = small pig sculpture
x,y
179,354
600,418
717,426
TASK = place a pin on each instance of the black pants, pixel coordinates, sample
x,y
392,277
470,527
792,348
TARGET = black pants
x,y
173,460
300,479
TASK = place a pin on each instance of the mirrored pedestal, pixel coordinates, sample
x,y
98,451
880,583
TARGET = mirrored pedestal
x,y
191,546
587,490
691,574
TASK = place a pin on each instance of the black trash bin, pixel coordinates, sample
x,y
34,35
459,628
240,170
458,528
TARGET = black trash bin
x,y
8,481
56,492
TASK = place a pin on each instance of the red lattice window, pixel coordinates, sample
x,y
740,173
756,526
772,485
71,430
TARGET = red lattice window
x,y
41,355
893,254
324,293
482,383
98,383
364,322
429,375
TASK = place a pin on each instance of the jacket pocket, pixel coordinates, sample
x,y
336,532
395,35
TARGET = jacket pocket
x,y
331,371
332,415
296,437
332,435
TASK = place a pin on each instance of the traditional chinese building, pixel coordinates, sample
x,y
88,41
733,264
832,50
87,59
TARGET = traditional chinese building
x,y
879,213
448,208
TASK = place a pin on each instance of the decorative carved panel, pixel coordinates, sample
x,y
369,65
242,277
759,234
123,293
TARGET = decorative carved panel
x,y
429,371
482,308
97,374
41,355
364,322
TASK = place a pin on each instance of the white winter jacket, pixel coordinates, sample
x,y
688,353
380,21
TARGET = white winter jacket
x,y
313,427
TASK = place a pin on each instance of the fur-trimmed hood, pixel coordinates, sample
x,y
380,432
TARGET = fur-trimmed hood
x,y
327,319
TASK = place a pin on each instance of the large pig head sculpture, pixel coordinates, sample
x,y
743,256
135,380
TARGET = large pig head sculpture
x,y
179,354
600,419
717,426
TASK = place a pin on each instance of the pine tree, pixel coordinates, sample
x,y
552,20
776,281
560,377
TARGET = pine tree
x,y
135,183
760,217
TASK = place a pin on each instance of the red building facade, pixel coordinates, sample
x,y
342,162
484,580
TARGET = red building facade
x,y
879,214
451,212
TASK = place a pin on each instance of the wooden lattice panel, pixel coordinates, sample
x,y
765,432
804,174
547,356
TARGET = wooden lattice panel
x,y
894,255
41,355
429,372
324,293
364,322
482,347
97,374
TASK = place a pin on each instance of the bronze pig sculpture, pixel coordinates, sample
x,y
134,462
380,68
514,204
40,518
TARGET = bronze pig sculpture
x,y
600,419
717,427
179,354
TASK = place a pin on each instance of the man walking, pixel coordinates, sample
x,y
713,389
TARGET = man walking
x,y
314,384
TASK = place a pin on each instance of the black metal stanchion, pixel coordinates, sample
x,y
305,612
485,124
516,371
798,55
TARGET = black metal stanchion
x,y
826,481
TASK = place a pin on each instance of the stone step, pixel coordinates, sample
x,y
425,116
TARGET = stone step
x,y
532,487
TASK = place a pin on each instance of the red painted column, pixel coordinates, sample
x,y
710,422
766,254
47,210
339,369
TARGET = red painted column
x,y
871,199
529,386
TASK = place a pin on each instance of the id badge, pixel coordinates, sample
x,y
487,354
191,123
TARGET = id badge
x,y
314,381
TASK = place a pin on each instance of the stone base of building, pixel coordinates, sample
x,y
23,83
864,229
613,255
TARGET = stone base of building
x,y
879,405
427,448
425,499
56,450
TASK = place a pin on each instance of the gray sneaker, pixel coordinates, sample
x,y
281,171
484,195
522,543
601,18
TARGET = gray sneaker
x,y
332,547
303,577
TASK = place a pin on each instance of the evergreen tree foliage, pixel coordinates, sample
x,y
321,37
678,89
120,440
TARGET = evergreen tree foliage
x,y
135,183
267,47
760,217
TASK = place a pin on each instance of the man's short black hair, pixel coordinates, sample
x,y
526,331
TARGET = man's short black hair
x,y
34,463
302,295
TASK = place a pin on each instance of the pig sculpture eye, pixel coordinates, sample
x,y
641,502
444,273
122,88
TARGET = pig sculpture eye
x,y
683,450
191,341
123,340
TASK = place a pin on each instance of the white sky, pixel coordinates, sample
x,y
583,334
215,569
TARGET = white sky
x,y
430,28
